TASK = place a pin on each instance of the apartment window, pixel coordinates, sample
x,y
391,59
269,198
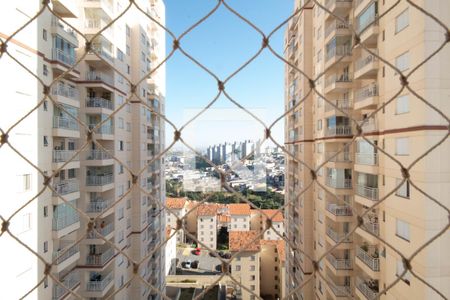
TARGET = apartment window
x,y
120,54
319,125
44,34
319,55
276,268
402,62
403,190
128,203
252,277
401,146
402,21
402,229
45,105
319,148
120,145
127,30
45,141
45,70
402,105
45,211
252,287
120,171
252,268
128,126
45,247
400,269
252,258
127,50
128,69
71,173
120,123
26,182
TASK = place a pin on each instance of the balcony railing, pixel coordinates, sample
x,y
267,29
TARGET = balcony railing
x,y
65,91
366,22
339,210
339,51
99,205
370,159
107,229
339,130
57,23
103,129
64,155
70,281
344,105
99,180
339,184
99,285
99,102
338,156
340,263
367,192
368,59
363,287
329,3
335,25
335,78
100,259
99,76
335,236
369,125
102,51
63,57
65,219
98,155
340,290
65,187
373,227
65,123
367,91
371,261
106,3
69,253
97,24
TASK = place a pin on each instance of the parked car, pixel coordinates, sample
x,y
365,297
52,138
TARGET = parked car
x,y
194,264
187,264
196,251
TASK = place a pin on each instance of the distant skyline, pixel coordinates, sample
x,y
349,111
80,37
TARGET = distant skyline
x,y
223,43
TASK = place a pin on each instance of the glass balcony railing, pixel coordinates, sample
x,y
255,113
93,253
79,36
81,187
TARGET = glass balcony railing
x,y
339,210
338,156
98,155
339,184
369,159
64,187
337,237
60,156
65,219
65,123
65,91
100,283
99,180
100,259
70,281
103,129
368,59
99,102
372,226
340,290
99,205
335,78
104,231
64,57
99,76
62,255
344,104
366,92
368,192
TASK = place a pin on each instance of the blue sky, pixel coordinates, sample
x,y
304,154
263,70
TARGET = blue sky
x,y
223,43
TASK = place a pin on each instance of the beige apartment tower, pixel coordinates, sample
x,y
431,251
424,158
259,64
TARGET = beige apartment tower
x,y
361,265
92,181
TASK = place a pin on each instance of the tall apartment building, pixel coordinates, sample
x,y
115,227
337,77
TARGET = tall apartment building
x,y
359,176
93,181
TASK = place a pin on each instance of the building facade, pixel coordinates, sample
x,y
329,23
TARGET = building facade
x,y
356,175
92,181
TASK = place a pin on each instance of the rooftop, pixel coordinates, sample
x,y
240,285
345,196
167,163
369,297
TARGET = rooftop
x,y
207,210
239,209
274,214
175,203
244,241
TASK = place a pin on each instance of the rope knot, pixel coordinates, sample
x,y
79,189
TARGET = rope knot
x,y
359,129
360,221
405,173
406,264
135,268
48,268
176,44
177,135
5,226
312,83
89,135
357,40
45,2
47,180
447,37
88,46
3,138
132,88
225,267
265,42
179,224
134,178
268,223
3,48
315,265
403,80
313,175
267,133
90,226
221,85
46,90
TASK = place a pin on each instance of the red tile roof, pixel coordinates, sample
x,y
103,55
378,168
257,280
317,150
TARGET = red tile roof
x,y
239,209
275,214
175,203
244,241
207,209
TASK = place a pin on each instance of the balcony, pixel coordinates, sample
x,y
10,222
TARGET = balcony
x,y
65,127
339,210
366,96
367,28
66,94
104,132
100,259
337,237
372,226
370,125
339,130
99,158
69,189
98,206
103,231
100,283
93,26
98,105
70,281
340,290
338,7
337,27
99,77
345,105
65,223
341,54
368,288
340,263
66,257
99,180
369,256
367,192
369,159
338,157
63,57
338,83
64,31
343,183
367,66
62,156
